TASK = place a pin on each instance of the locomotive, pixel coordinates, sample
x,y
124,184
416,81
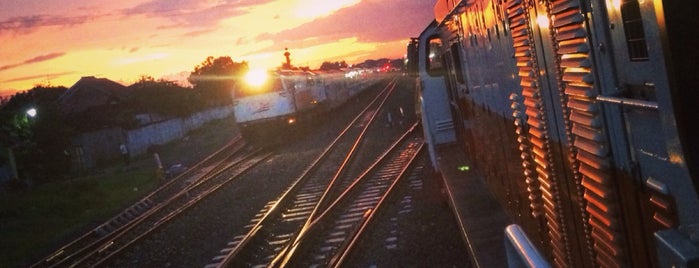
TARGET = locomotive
x,y
268,102
578,114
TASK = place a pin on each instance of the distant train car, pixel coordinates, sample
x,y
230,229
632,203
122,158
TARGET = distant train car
x,y
268,102
579,114
276,96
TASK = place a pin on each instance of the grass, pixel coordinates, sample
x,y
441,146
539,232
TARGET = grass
x,y
46,216
33,220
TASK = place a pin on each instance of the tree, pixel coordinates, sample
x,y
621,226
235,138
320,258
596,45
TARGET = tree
x,y
326,66
215,78
39,142
163,97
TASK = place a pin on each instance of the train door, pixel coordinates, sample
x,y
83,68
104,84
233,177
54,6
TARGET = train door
x,y
457,89
289,82
434,102
654,181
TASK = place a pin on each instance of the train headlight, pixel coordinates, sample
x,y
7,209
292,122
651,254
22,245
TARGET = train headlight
x,y
256,77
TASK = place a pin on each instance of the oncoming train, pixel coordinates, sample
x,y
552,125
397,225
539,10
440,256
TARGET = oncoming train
x,y
579,115
268,102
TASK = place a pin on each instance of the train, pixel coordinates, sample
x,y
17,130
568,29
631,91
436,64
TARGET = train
x,y
579,114
267,103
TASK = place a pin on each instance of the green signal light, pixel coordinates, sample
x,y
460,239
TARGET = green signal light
x,y
464,168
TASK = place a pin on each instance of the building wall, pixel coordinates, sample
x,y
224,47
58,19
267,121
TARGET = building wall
x,y
100,147
97,147
138,140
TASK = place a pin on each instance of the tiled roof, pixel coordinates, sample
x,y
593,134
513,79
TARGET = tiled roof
x,y
90,91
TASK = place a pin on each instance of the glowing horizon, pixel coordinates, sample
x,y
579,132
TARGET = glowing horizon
x,y
46,42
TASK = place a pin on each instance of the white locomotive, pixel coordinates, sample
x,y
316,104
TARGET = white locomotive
x,y
268,102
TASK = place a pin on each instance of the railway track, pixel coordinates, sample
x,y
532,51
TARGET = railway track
x,y
330,237
157,208
282,219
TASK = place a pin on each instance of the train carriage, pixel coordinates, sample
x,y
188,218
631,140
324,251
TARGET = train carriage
x,y
578,113
266,103
276,98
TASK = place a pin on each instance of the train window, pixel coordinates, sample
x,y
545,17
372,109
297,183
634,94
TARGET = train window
x,y
290,83
434,57
457,63
633,28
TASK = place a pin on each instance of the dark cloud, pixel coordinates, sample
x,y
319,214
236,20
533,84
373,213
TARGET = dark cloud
x,y
28,24
370,21
191,13
32,77
33,60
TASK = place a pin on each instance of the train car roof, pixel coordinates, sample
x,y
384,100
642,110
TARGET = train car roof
x,y
293,72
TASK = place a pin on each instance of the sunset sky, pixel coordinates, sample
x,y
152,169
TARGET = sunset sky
x,y
57,42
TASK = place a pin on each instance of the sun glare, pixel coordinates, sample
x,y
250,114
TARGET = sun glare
x,y
256,77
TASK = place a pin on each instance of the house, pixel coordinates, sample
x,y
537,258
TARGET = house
x,y
91,106
91,92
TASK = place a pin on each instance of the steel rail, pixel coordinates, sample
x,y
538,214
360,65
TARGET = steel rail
x,y
98,232
340,258
344,197
330,187
180,209
103,243
371,168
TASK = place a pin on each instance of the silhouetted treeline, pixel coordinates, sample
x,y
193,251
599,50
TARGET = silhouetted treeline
x,y
215,78
326,65
163,97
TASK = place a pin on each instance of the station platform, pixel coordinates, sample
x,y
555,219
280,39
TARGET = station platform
x,y
480,217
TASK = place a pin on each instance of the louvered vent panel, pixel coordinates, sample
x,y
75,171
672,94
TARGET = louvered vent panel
x,y
580,105
521,113
585,130
588,133
662,207
533,136
579,91
593,160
